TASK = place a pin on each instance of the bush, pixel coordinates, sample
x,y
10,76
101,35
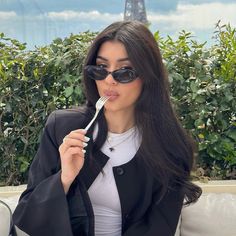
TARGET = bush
x,y
203,83
33,83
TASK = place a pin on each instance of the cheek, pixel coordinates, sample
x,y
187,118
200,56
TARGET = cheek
x,y
133,91
138,85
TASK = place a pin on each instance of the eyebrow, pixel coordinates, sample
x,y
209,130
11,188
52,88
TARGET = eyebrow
x,y
119,60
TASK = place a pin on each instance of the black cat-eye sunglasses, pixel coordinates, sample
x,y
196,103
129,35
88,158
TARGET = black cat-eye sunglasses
x,y
123,75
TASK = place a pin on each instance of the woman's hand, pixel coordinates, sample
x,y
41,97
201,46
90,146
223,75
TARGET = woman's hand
x,y
72,156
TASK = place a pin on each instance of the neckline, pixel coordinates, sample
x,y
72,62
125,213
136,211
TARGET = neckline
x,y
116,135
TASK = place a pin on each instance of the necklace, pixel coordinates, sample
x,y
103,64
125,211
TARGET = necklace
x,y
113,139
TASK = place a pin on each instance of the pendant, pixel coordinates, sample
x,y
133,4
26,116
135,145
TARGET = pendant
x,y
111,149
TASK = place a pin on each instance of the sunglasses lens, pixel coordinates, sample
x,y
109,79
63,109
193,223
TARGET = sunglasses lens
x,y
124,75
95,72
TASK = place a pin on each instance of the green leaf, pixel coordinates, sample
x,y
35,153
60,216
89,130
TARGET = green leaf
x,y
232,134
8,107
194,86
24,140
68,91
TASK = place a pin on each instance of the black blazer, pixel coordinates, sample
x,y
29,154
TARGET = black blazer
x,y
44,209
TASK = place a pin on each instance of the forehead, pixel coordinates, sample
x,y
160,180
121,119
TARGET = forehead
x,y
112,49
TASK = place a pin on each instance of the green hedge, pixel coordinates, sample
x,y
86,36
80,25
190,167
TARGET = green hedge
x,y
34,83
203,83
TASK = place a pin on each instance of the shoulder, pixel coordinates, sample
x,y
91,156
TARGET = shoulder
x,y
67,115
62,122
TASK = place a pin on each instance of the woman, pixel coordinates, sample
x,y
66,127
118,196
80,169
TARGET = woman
x,y
129,174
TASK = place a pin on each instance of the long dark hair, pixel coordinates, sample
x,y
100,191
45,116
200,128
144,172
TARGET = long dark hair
x,y
166,148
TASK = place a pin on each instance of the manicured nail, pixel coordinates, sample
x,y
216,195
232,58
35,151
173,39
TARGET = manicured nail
x,y
84,151
86,139
85,144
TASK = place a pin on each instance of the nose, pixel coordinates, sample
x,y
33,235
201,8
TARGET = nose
x,y
110,80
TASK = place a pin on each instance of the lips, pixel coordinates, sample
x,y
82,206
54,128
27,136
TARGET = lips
x,y
111,94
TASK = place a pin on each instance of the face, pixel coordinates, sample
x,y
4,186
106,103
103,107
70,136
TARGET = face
x,y
112,56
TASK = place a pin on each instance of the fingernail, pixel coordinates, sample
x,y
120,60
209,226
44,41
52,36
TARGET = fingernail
x,y
84,151
85,144
86,139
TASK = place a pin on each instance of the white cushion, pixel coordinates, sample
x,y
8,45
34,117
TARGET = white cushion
x,y
213,215
4,220
9,195
11,201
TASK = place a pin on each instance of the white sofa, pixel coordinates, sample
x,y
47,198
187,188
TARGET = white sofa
x,y
213,215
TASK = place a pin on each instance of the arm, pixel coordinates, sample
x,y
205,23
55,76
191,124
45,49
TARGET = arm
x,y
43,207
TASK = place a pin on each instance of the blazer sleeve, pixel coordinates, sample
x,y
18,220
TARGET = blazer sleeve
x,y
161,218
43,207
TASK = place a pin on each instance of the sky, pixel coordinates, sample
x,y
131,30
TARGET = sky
x,y
38,22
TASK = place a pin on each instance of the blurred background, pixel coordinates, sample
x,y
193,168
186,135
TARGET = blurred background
x,y
38,22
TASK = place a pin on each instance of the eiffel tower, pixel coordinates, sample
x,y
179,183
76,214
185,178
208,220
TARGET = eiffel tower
x,y
135,10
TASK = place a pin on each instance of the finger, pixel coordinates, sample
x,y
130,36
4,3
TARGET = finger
x,y
75,151
78,135
62,149
81,131
68,141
